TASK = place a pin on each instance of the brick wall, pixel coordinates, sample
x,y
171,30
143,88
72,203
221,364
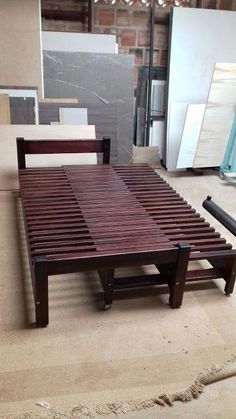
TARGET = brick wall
x,y
129,23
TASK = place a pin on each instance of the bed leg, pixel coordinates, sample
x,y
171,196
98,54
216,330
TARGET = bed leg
x,y
177,283
227,267
107,280
41,291
230,280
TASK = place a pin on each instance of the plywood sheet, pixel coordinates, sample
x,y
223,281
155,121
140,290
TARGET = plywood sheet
x,y
218,117
58,100
194,50
73,116
20,46
158,136
5,117
176,125
8,156
191,131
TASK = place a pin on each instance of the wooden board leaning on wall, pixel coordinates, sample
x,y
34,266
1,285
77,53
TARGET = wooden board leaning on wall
x,y
218,117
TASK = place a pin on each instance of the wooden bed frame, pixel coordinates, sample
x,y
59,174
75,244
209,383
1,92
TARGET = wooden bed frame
x,y
101,217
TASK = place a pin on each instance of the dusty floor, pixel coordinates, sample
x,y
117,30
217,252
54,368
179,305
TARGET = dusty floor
x,y
136,350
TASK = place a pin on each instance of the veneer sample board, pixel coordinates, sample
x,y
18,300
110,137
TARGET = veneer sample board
x,y
218,117
194,50
191,132
97,80
8,155
22,110
103,117
73,116
58,100
23,104
20,43
5,117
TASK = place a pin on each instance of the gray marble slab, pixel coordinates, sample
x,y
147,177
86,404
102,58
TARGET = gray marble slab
x,y
96,79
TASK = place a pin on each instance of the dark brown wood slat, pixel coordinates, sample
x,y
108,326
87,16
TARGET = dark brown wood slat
x,y
189,236
204,274
199,228
100,226
57,229
109,241
209,247
104,250
51,209
218,253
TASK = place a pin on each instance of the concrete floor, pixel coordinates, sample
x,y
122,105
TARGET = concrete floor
x,y
138,349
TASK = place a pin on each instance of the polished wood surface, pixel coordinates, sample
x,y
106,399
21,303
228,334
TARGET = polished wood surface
x,y
102,217
27,147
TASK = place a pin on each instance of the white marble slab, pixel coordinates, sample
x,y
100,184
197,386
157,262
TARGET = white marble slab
x,y
79,42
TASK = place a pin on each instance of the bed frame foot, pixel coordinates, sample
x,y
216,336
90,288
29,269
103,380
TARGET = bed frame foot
x,y
177,284
106,306
41,291
107,280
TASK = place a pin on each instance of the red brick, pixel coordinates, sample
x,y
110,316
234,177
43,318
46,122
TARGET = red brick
x,y
97,29
138,55
53,25
209,4
95,16
123,17
156,57
110,31
135,74
161,37
75,27
140,18
163,57
127,38
123,50
106,17
226,5
143,38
